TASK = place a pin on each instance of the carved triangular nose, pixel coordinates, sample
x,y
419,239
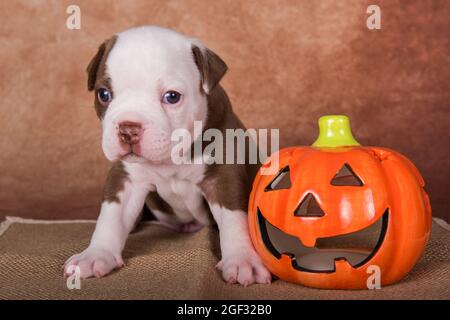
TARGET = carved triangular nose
x,y
309,207
346,177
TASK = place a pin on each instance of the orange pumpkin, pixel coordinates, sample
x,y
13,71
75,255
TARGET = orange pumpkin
x,y
333,209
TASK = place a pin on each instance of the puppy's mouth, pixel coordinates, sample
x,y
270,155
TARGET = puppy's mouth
x,y
134,157
131,157
131,152
357,248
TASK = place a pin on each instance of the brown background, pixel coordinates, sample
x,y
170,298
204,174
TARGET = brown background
x,y
290,62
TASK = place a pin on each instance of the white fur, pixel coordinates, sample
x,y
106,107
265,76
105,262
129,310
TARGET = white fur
x,y
240,263
177,185
114,223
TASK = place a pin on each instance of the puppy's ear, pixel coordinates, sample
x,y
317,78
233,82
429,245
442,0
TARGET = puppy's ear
x,y
212,68
98,60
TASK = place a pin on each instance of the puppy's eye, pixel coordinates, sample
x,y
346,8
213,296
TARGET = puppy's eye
x,y
171,97
104,95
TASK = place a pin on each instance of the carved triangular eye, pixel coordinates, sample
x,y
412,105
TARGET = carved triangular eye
x,y
309,207
346,177
281,181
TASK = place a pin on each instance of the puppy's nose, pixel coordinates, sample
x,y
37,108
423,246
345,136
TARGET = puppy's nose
x,y
130,132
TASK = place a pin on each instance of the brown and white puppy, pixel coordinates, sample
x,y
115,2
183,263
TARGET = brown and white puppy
x,y
148,82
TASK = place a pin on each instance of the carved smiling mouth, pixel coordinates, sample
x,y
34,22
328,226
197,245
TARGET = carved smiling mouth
x,y
357,248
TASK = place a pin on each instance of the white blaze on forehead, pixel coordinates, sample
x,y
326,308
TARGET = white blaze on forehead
x,y
149,56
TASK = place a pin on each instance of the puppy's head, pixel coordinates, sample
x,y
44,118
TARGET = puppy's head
x,y
149,81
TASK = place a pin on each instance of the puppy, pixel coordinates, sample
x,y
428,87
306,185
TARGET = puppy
x,y
148,82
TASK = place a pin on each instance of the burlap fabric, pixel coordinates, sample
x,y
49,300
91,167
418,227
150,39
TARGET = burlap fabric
x,y
161,264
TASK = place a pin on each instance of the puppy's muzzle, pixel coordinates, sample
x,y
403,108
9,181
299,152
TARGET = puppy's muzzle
x,y
130,132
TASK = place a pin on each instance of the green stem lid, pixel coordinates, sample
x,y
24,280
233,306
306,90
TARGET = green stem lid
x,y
335,131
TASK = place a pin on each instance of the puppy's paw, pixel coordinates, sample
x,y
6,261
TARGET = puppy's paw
x,y
245,268
93,262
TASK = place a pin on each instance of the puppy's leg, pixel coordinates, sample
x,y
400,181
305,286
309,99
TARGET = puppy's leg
x,y
240,262
117,218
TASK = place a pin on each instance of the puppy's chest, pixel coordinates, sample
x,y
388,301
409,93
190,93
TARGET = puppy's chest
x,y
177,191
183,195
178,186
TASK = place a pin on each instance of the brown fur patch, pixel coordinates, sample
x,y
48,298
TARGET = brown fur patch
x,y
228,185
115,182
212,68
97,75
155,202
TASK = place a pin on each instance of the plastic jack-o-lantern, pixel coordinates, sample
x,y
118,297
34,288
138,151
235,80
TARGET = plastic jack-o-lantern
x,y
336,214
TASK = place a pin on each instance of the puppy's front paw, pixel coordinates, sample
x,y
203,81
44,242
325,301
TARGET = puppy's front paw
x,y
93,262
245,268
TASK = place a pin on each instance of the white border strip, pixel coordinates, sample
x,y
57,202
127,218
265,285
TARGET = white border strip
x,y
39,221
10,220
442,223
4,226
